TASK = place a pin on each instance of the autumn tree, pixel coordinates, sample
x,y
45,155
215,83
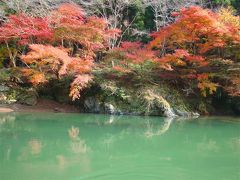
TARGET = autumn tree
x,y
71,26
53,63
191,53
132,63
195,41
128,56
162,9
19,30
113,12
37,8
76,38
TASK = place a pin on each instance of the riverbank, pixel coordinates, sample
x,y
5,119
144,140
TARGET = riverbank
x,y
43,105
113,97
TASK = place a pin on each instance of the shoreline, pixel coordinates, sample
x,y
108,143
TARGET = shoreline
x,y
43,105
46,105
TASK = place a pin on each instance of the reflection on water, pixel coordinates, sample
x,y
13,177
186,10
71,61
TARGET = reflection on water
x,y
6,118
35,146
208,145
73,146
161,130
61,160
235,143
73,133
111,120
77,144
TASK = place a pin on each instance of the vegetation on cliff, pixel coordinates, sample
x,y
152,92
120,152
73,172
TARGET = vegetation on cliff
x,y
186,60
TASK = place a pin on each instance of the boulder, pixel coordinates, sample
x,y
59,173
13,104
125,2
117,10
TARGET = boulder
x,y
236,106
28,97
111,109
4,88
156,105
183,113
146,100
92,105
7,98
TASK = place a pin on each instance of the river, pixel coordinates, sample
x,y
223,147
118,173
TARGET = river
x,y
57,146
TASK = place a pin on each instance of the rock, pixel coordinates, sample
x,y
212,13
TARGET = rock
x,y
91,104
31,101
195,114
59,110
169,113
6,98
143,101
109,108
236,106
157,105
5,95
4,88
183,113
3,98
28,97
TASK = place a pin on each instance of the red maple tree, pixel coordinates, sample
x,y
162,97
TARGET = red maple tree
x,y
20,30
192,43
77,39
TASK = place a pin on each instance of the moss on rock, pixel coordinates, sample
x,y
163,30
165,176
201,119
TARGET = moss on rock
x,y
145,99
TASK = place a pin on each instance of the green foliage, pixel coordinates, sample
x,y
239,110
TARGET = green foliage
x,y
234,3
3,55
226,2
5,75
149,19
199,52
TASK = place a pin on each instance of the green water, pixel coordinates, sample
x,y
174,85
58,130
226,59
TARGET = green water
x,y
73,146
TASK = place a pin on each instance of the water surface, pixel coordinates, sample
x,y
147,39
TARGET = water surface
x,y
75,146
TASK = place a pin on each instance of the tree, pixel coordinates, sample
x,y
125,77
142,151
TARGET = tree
x,y
76,40
49,61
113,11
37,8
162,9
71,25
20,30
132,63
195,41
2,13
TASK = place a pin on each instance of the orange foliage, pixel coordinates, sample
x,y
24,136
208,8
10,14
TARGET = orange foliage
x,y
192,38
71,25
54,59
205,85
26,29
121,69
181,58
34,77
231,22
68,15
80,82
131,57
135,52
83,36
197,29
48,56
